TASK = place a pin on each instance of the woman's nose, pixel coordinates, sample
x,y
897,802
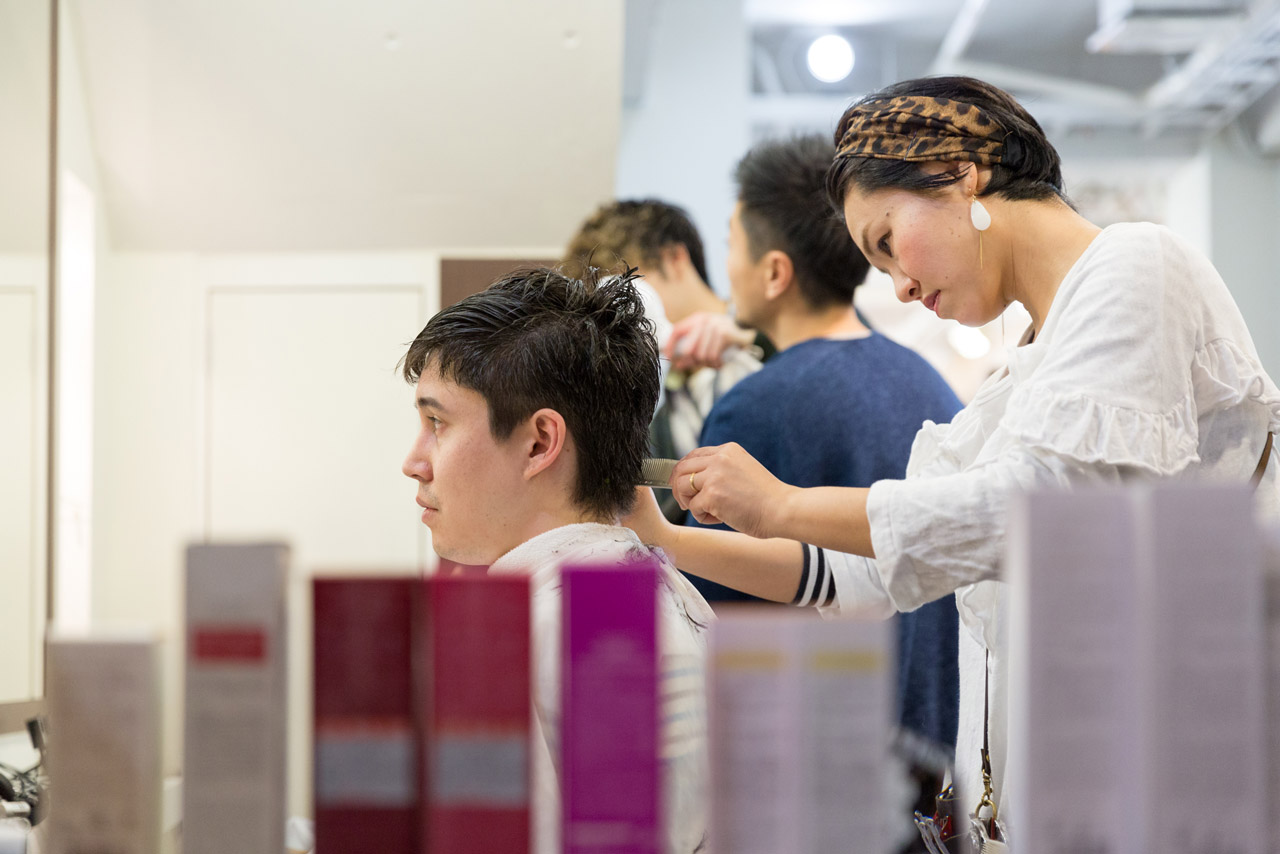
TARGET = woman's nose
x,y
907,288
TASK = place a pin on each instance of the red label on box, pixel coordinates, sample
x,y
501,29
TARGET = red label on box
x,y
229,644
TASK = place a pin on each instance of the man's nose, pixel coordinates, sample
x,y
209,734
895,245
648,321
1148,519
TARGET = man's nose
x,y
416,465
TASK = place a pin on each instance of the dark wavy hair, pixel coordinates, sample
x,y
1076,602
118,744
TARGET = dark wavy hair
x,y
583,347
1035,174
782,191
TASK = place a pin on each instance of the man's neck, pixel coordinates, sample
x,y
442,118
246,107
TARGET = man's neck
x,y
790,327
547,514
680,301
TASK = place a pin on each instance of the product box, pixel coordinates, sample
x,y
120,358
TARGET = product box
x,y
1203,713
610,776
475,697
801,711
104,747
1271,580
1137,678
1075,759
233,787
367,749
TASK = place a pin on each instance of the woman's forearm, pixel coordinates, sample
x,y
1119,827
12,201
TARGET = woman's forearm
x,y
769,569
831,517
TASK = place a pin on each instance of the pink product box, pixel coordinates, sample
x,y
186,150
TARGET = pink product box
x,y
610,712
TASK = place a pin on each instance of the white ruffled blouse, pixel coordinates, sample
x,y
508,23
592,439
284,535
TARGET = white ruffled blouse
x,y
1143,368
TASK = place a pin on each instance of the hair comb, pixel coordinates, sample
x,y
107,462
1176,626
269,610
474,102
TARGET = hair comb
x,y
656,473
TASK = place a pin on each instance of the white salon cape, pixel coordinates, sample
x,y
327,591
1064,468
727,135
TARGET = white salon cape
x,y
1143,368
683,620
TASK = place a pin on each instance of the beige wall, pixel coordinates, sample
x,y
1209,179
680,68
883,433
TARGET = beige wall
x,y
250,397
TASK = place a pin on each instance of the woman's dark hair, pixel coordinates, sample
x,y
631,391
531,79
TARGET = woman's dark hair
x,y
1034,173
538,338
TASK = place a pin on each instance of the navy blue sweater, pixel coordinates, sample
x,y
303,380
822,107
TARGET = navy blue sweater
x,y
830,412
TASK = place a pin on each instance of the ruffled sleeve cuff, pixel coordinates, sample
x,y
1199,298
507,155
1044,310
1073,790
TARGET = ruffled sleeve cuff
x,y
1080,428
1164,443
1224,375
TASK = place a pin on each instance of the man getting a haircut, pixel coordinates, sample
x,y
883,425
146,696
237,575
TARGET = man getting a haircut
x,y
534,398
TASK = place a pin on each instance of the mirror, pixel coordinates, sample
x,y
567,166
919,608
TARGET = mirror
x,y
25,145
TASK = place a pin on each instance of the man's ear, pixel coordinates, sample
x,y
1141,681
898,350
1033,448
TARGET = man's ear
x,y
674,259
779,273
546,438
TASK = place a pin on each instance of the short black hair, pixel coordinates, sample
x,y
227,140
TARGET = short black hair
x,y
782,188
634,231
538,338
1037,174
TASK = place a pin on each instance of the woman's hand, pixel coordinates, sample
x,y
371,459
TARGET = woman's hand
x,y
701,339
726,484
647,521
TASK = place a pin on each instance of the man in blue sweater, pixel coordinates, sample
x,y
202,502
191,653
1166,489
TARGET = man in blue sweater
x,y
840,404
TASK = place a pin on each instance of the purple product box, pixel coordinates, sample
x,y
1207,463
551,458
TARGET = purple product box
x,y
610,710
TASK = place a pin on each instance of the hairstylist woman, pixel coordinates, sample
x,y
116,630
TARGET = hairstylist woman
x,y
1137,365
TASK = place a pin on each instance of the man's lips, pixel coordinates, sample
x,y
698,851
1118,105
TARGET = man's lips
x,y
931,301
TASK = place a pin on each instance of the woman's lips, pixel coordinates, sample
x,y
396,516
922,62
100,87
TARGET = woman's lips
x,y
931,301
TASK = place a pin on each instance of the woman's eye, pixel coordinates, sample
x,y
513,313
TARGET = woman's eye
x,y
883,245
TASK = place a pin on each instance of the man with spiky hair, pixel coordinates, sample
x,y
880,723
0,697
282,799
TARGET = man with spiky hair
x,y
534,398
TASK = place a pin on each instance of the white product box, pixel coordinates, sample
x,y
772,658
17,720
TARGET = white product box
x,y
1075,758
1205,771
1137,681
1271,580
234,732
800,711
104,744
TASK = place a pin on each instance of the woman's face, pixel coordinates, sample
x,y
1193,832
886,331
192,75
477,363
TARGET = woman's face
x,y
928,245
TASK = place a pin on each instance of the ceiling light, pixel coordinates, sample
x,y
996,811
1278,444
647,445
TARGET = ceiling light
x,y
830,58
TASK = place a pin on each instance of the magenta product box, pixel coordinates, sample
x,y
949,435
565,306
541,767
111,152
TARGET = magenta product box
x,y
610,774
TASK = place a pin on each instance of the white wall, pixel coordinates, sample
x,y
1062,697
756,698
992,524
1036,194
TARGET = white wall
x,y
1244,205
246,397
1226,201
688,130
1188,211
23,432
78,172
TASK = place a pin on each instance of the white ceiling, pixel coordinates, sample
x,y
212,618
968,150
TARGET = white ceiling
x,y
1037,49
243,125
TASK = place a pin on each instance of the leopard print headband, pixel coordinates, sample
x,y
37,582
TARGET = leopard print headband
x,y
916,128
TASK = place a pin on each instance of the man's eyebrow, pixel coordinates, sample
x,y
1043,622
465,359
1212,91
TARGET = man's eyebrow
x,y
430,403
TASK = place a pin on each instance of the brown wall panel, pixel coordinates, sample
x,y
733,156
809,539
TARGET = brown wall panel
x,y
462,277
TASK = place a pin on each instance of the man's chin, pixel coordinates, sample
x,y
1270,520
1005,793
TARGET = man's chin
x,y
461,558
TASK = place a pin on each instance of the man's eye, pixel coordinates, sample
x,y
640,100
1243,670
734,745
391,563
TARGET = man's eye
x,y
883,245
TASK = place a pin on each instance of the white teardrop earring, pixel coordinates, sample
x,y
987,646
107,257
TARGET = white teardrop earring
x,y
978,215
981,220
